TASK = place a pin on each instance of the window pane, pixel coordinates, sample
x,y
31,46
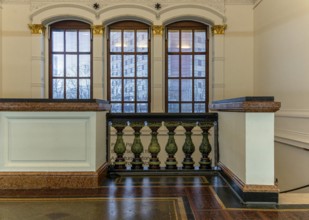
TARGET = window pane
x,y
173,66
173,108
84,65
142,90
142,108
84,88
71,41
116,65
142,65
116,108
129,90
186,65
128,108
186,108
199,108
115,41
186,90
173,90
199,65
199,90
129,65
71,65
71,89
84,41
128,45
58,88
186,41
200,41
58,41
173,41
116,88
58,65
142,40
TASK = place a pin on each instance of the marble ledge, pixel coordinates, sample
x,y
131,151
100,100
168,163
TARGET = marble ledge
x,y
246,104
50,105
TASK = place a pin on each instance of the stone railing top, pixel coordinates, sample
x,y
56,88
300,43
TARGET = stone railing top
x,y
246,104
53,105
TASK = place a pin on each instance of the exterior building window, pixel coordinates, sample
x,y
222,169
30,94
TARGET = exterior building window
x,y
70,58
187,67
129,67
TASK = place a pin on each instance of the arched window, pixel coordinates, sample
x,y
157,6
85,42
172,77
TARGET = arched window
x,y
187,67
70,60
129,67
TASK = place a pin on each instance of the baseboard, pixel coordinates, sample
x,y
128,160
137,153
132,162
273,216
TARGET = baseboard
x,y
40,180
250,194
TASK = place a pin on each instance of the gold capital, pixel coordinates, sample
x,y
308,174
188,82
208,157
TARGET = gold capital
x,y
157,29
37,28
97,29
218,29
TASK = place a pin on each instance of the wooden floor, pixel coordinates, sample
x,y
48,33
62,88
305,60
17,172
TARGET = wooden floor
x,y
146,197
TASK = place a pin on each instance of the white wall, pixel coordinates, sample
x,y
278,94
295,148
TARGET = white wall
x,y
281,67
239,51
1,49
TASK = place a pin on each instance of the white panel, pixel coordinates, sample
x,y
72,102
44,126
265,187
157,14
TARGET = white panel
x,y
260,148
47,139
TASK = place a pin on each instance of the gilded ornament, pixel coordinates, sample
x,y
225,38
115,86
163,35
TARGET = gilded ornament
x,y
218,29
157,29
97,29
37,28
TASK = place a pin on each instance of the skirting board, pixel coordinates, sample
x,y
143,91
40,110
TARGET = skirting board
x,y
39,180
250,193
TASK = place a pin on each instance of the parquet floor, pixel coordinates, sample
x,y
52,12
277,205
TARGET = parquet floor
x,y
143,197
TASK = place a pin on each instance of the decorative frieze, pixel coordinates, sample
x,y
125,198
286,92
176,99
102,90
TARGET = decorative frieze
x,y
157,29
218,29
37,28
97,29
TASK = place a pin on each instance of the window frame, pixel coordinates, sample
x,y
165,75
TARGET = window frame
x,y
187,25
66,25
123,26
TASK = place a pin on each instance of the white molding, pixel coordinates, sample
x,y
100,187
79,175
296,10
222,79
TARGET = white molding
x,y
239,2
293,113
292,138
37,85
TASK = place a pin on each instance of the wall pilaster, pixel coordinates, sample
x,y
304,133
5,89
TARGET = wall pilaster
x,y
157,80
218,59
1,66
37,61
98,64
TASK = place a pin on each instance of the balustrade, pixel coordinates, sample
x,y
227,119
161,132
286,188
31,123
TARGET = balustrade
x,y
157,145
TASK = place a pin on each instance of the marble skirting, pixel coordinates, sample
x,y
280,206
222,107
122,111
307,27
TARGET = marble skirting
x,y
250,193
41,180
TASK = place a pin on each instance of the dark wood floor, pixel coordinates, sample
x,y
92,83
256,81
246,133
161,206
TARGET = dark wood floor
x,y
142,197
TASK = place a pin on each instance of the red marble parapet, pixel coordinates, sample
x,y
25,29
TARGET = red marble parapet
x,y
246,104
53,105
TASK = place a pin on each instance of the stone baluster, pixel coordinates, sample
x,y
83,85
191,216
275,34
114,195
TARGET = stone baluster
x,y
119,148
205,147
137,147
154,147
188,147
171,147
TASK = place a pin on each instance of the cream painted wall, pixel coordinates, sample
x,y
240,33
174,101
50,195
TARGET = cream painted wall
x,y
16,51
281,52
1,81
239,51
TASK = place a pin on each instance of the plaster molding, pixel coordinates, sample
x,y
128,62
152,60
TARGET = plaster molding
x,y
218,29
293,113
157,29
37,28
292,138
240,2
97,29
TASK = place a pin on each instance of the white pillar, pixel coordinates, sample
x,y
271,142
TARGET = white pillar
x,y
157,73
37,61
98,50
1,81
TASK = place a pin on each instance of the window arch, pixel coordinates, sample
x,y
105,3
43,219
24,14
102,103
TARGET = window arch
x,y
128,65
70,60
187,69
